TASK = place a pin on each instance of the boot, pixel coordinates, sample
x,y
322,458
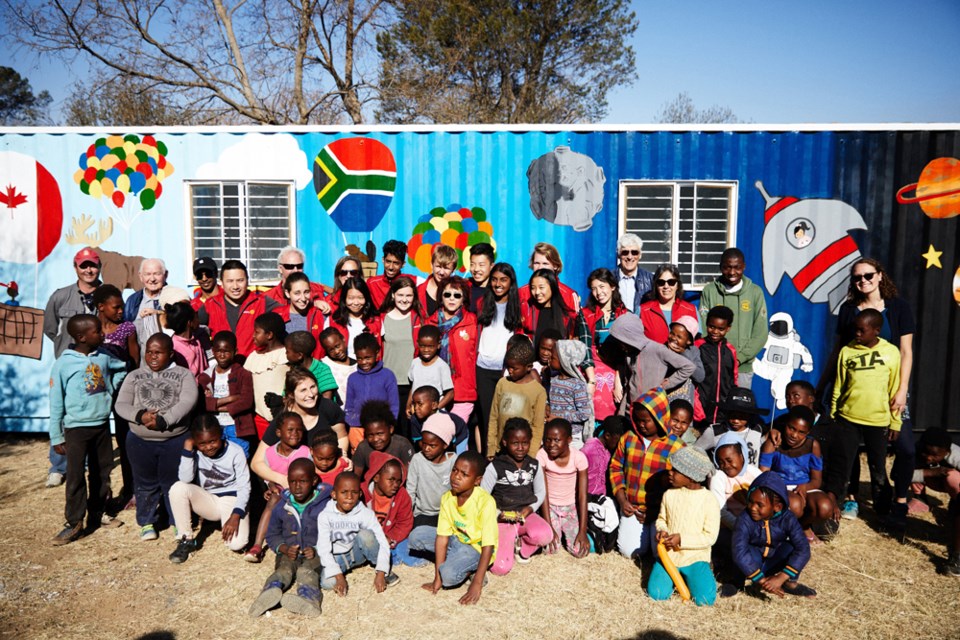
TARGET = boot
x,y
306,601
268,599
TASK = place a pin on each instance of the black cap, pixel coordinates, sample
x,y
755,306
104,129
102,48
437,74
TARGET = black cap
x,y
742,400
204,264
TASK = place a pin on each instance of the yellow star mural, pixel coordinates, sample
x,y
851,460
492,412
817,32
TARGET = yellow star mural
x,y
932,256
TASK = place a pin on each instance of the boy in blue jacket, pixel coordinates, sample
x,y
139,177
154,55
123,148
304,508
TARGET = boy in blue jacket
x,y
81,398
292,534
769,545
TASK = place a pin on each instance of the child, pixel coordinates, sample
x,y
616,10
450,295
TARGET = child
x,y
429,369
683,333
681,417
429,479
379,421
720,367
641,454
467,532
868,377
545,347
390,502
370,382
519,395
328,457
181,319
442,263
81,396
604,519
394,255
228,392
267,364
341,365
730,486
565,504
300,347
348,536
741,414
688,525
157,399
426,403
293,537
939,469
221,491
768,543
568,397
515,480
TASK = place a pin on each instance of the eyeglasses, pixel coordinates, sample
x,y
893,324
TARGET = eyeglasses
x,y
350,272
292,266
629,252
863,276
455,295
670,282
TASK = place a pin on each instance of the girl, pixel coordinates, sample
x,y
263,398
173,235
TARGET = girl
x,y
328,458
181,319
458,343
546,308
498,319
346,268
683,331
568,397
278,457
515,480
593,326
214,483
267,364
546,256
356,314
565,477
401,318
300,314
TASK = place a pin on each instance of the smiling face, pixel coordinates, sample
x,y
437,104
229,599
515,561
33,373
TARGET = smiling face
x,y
335,346
391,266
157,355
717,329
366,359
441,270
290,432
403,299
234,283
209,443
679,338
88,272
378,435
355,302
290,262
540,291
730,459
463,477
666,286
480,269
630,258
680,421
602,291
305,394
556,442
452,300
540,261
206,280
866,278
500,285
731,271
112,309
301,480
760,506
349,269
153,276
517,445
299,297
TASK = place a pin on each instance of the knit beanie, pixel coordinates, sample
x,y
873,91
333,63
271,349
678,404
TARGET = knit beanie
x,y
655,401
690,324
440,425
691,462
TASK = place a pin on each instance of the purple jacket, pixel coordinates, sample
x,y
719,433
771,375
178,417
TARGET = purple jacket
x,y
364,386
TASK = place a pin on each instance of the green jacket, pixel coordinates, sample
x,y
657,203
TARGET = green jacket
x,y
749,331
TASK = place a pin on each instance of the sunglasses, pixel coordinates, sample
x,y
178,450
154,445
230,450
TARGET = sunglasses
x,y
88,265
452,295
205,275
670,282
350,272
292,266
864,276
630,252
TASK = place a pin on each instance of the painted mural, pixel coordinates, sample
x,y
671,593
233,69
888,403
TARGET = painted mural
x,y
566,188
455,226
937,191
782,355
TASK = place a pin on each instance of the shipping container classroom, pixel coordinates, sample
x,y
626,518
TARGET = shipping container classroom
x,y
802,202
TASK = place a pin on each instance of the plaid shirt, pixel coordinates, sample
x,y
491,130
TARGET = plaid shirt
x,y
631,467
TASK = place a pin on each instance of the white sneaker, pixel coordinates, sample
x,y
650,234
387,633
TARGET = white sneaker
x,y
54,479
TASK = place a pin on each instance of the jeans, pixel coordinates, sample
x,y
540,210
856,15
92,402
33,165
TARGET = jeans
x,y
90,444
58,463
401,555
365,549
156,464
462,560
423,539
635,537
699,579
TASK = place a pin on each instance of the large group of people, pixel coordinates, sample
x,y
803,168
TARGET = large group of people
x,y
476,423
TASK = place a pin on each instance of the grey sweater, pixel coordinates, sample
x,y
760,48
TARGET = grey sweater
x,y
65,303
172,393
427,482
223,475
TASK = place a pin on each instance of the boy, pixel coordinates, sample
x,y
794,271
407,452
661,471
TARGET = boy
x,y
748,327
394,254
371,381
742,418
518,395
939,469
267,365
429,369
389,501
429,477
341,365
426,403
868,377
467,532
545,347
228,392
300,346
720,368
81,397
442,263
378,423
481,263
293,537
348,536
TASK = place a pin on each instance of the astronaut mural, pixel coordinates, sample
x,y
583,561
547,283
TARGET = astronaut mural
x,y
566,188
782,354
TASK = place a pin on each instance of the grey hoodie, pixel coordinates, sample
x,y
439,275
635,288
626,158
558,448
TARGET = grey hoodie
x,y
171,392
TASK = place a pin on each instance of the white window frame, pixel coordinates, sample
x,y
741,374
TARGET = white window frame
x,y
732,185
244,228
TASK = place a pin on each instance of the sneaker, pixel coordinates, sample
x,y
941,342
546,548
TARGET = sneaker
x,y
727,590
953,566
306,601
68,535
799,590
269,598
54,479
148,532
254,554
392,579
184,548
109,522
850,510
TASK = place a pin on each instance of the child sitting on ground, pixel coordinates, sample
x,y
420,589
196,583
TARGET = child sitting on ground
x,y
300,347
938,468
565,504
518,395
467,533
389,501
741,417
341,365
349,536
681,418
379,421
731,484
429,479
426,403
568,397
688,525
769,546
370,382
214,483
228,392
293,537
328,457
429,369
267,364
515,480
604,519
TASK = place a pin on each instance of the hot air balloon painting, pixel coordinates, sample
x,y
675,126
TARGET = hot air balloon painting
x,y
31,209
809,241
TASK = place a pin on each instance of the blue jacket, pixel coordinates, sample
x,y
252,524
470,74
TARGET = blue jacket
x,y
81,391
644,282
756,541
363,386
291,528
132,306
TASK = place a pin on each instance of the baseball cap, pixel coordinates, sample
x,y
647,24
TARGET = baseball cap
x,y
204,264
86,255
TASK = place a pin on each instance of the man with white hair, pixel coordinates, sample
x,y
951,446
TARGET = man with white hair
x,y
143,307
291,260
634,281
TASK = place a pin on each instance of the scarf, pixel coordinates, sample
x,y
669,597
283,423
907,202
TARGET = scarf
x,y
445,325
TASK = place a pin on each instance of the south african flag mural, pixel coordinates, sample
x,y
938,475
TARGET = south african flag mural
x,y
355,179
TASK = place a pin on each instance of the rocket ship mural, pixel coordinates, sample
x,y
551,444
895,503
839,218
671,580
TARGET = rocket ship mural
x,y
809,241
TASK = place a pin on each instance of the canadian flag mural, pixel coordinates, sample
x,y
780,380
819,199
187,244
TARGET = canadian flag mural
x,y
31,211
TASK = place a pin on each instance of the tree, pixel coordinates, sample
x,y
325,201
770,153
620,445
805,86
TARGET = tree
x,y
230,61
509,61
681,110
18,104
122,102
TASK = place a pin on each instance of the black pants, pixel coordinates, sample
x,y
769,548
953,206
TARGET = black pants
x,y
839,442
905,460
121,429
487,380
875,443
403,422
91,445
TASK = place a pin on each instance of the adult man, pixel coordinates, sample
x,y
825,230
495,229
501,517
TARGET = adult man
x,y
290,260
65,303
143,307
481,263
236,308
634,281
205,271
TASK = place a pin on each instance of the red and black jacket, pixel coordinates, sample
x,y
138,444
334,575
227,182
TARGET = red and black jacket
x,y
463,356
720,368
253,306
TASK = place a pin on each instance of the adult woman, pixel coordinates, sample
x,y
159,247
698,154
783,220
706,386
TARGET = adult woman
x,y
667,304
593,326
545,307
871,288
546,256
458,342
401,319
346,268
356,315
299,314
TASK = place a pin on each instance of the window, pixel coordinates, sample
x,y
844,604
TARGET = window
x,y
244,220
688,224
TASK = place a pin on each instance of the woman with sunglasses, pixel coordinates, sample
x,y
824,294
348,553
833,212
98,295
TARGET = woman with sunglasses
x,y
458,342
346,268
667,304
356,315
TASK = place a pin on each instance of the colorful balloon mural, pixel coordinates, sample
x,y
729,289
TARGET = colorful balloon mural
x,y
454,226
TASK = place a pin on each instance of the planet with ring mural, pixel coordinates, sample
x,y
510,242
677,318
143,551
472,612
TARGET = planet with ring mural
x,y
937,191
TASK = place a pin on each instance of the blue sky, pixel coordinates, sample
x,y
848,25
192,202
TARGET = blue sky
x,y
776,61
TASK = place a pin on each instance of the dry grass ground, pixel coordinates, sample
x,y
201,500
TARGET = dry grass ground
x,y
110,585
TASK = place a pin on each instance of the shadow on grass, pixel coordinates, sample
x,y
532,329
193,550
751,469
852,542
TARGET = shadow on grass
x,y
655,634
158,635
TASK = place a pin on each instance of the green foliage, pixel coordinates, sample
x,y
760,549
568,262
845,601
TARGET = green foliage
x,y
18,104
681,110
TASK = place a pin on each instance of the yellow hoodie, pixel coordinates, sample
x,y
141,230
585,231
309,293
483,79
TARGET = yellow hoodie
x,y
867,379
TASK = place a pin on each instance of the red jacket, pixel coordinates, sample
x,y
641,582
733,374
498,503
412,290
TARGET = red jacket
x,y
253,305
463,356
655,323
373,325
278,294
592,315
315,321
239,383
197,300
569,296
399,521
530,314
379,287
